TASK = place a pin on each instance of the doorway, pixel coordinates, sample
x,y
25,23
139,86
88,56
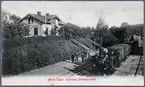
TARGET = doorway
x,y
35,31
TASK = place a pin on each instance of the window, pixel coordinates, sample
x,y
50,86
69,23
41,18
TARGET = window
x,y
28,20
46,31
35,31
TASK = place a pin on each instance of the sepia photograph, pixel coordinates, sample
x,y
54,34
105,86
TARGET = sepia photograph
x,y
72,42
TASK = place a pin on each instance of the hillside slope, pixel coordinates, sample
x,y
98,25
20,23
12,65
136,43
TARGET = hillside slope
x,y
24,54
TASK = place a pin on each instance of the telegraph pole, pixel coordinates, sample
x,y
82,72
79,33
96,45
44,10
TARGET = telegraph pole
x,y
45,18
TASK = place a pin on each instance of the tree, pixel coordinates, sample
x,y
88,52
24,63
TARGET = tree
x,y
125,31
109,40
87,32
99,32
15,18
137,28
115,31
70,30
124,24
100,23
102,35
11,29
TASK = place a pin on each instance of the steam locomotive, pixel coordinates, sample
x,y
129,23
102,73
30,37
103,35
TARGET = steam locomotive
x,y
114,56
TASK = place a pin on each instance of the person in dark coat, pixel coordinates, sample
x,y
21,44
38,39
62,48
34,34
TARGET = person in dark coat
x,y
72,58
83,56
76,56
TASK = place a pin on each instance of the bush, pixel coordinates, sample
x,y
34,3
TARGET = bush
x,y
24,54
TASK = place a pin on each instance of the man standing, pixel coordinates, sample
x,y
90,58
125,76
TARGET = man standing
x,y
72,58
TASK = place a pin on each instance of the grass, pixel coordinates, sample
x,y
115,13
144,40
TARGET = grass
x,y
24,54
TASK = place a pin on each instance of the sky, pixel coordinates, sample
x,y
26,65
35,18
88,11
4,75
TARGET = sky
x,y
82,13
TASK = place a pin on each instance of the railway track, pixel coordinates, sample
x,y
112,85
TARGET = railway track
x,y
138,66
83,69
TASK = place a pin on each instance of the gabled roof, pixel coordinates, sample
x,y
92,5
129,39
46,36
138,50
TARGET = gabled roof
x,y
41,18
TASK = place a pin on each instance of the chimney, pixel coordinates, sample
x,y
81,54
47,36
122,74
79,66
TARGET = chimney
x,y
47,14
39,13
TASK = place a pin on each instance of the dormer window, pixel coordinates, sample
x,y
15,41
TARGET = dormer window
x,y
30,19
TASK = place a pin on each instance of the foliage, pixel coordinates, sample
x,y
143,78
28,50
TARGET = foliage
x,y
72,30
54,30
12,30
138,28
87,32
102,35
10,27
101,23
125,31
69,30
15,18
119,33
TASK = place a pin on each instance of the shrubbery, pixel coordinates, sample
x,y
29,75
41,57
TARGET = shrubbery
x,y
125,31
24,54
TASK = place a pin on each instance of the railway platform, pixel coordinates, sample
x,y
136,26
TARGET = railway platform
x,y
58,69
132,65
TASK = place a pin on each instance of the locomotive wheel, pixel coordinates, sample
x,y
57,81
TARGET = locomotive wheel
x,y
112,69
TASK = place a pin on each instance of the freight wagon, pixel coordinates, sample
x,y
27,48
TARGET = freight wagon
x,y
116,54
127,49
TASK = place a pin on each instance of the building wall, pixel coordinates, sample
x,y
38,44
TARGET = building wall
x,y
54,22
35,24
45,27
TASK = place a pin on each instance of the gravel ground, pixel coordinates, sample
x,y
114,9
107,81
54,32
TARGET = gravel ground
x,y
128,67
58,69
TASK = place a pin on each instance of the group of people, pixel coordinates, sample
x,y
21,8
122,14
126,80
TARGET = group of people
x,y
93,54
75,56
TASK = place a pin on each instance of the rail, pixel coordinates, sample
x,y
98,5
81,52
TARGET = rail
x,y
82,70
138,66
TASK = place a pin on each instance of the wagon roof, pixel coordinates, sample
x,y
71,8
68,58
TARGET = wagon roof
x,y
117,47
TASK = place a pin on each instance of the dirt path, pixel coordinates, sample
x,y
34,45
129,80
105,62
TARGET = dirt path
x,y
58,69
129,66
